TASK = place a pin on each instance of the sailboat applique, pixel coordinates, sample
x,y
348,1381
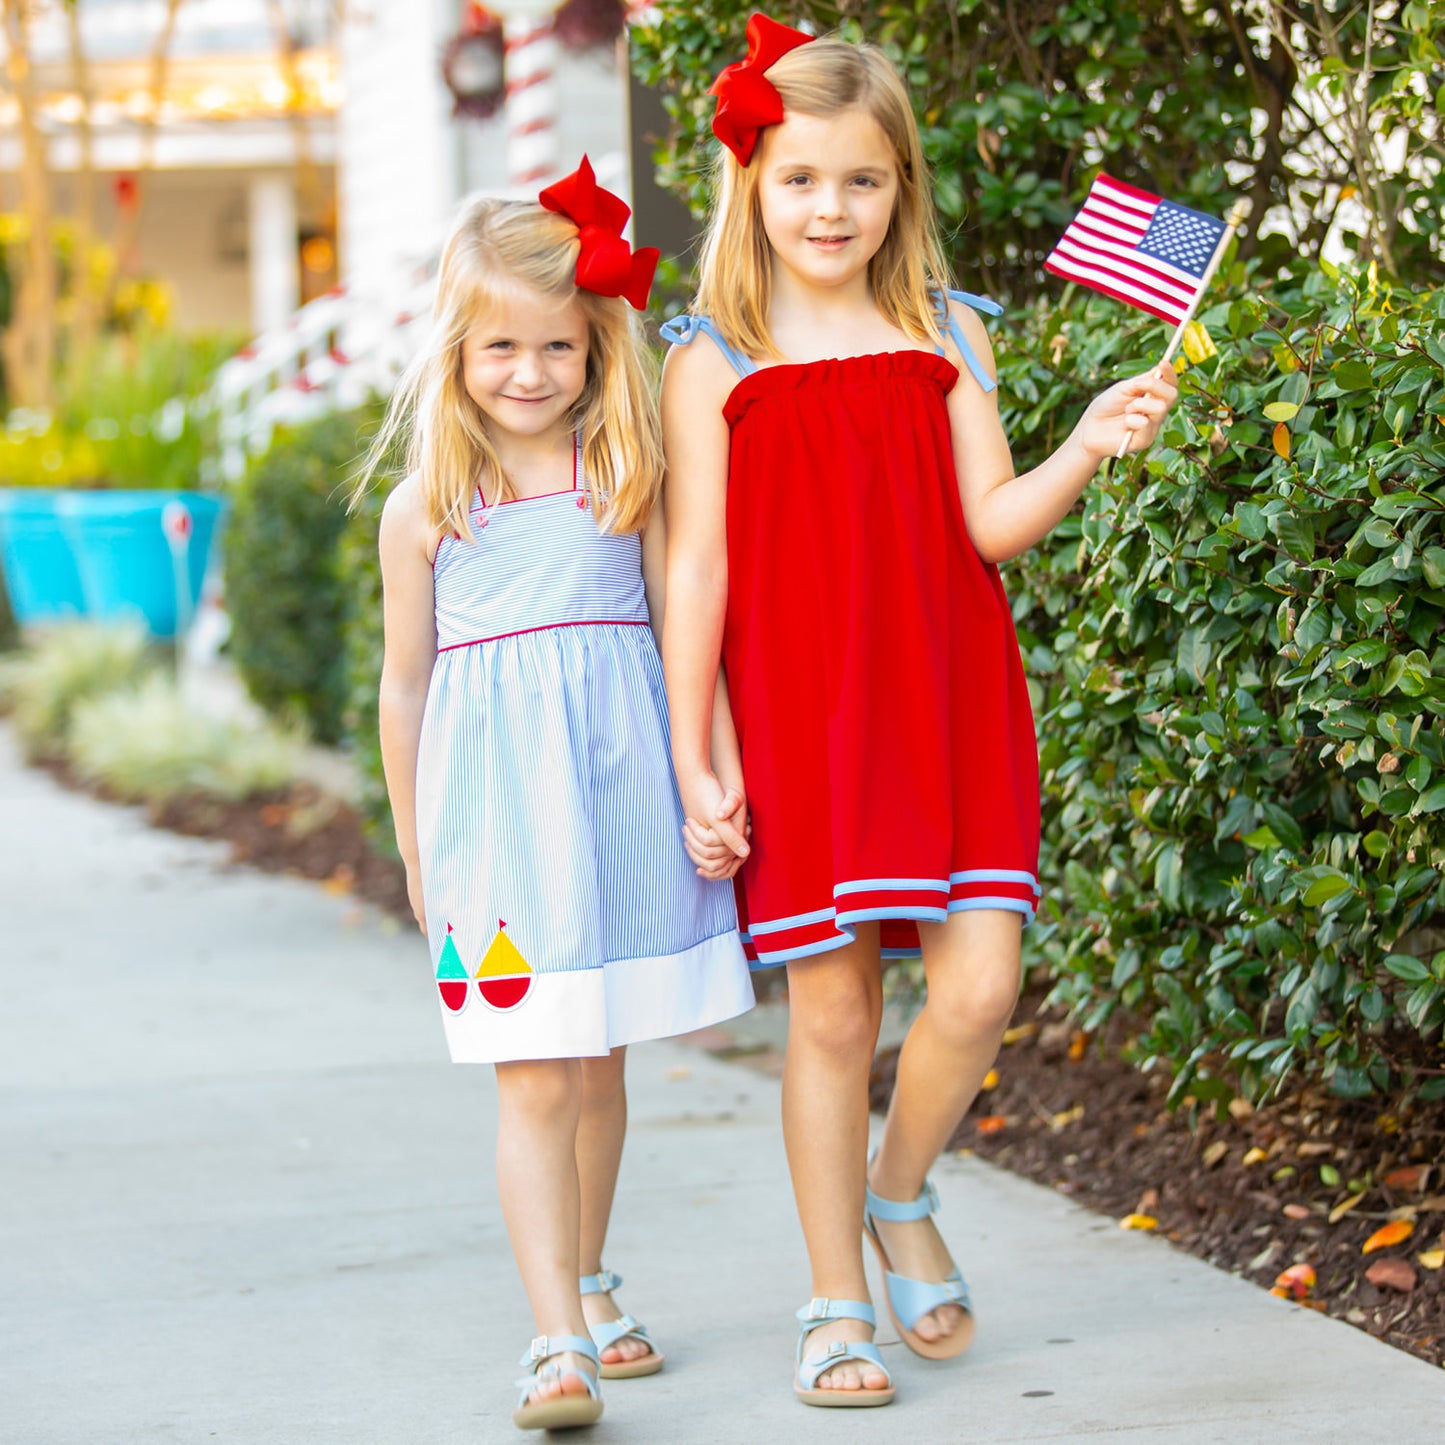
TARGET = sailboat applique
x,y
504,977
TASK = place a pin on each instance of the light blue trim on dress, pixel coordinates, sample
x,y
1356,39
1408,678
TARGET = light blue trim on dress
x,y
955,331
1008,905
681,330
870,885
781,925
996,875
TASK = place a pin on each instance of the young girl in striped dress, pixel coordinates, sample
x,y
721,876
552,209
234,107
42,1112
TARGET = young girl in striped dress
x,y
839,493
525,739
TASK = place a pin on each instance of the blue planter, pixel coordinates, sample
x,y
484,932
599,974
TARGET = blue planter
x,y
40,570
103,555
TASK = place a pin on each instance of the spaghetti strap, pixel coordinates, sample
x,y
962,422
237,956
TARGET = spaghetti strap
x,y
681,329
955,331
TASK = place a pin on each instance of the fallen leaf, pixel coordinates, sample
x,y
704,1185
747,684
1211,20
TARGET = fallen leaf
x,y
1432,1258
1298,1280
1066,1117
1405,1211
1138,1221
1434,1204
1281,440
1387,1124
1018,1035
1215,1153
1313,1149
1148,1201
1344,1207
1256,1156
1077,1044
1408,1179
340,881
1296,1211
991,1124
1395,1232
274,814
990,1080
1392,1274
1240,1109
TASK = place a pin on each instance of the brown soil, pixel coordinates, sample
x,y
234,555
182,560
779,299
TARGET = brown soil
x,y
1305,1180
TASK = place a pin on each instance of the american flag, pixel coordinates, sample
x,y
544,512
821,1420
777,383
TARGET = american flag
x,y
1138,248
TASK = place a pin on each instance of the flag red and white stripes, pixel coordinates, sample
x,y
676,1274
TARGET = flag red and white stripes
x,y
1138,248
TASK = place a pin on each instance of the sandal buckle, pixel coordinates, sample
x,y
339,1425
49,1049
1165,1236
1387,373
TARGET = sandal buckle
x,y
835,1347
539,1350
818,1309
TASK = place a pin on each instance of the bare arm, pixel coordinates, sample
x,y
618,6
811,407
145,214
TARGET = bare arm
x,y
695,384
1007,514
654,568
411,649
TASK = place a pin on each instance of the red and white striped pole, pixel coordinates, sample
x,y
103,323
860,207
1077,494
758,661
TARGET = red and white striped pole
x,y
530,39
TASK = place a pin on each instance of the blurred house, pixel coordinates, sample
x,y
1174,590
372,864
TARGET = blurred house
x,y
296,144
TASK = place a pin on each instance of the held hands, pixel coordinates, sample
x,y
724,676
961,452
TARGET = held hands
x,y
720,844
1127,417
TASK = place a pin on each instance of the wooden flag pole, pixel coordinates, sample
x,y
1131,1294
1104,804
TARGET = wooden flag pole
x,y
1237,212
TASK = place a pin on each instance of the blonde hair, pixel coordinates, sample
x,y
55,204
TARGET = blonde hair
x,y
493,246
908,273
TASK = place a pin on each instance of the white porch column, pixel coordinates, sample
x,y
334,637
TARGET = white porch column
x,y
275,274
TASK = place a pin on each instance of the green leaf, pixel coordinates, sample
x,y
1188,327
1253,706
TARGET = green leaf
x,y
1432,800
1323,889
1410,969
1353,376
1281,411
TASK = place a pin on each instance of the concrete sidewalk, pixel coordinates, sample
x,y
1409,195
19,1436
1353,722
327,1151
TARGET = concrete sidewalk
x,y
247,1199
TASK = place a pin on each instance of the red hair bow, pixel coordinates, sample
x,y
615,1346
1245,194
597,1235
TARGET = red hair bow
x,y
606,264
746,99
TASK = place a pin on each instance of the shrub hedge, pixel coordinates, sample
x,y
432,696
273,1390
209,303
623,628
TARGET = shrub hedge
x,y
286,595
1239,650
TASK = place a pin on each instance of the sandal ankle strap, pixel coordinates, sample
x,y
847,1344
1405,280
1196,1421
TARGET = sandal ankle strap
x,y
545,1346
893,1211
603,1282
820,1310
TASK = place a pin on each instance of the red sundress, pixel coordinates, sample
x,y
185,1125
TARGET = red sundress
x,y
887,736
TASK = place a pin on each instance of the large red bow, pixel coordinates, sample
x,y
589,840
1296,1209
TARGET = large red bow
x,y
746,99
606,264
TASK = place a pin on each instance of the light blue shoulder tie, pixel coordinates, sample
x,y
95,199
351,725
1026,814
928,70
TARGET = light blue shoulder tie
x,y
681,329
979,303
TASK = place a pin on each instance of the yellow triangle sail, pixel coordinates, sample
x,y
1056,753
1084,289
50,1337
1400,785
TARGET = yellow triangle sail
x,y
502,957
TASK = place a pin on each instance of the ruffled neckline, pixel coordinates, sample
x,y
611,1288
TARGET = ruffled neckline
x,y
792,376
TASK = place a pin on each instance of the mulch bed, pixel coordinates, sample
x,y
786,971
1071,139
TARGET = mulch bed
x,y
1303,1181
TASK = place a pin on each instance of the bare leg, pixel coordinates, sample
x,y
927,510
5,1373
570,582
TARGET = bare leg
x,y
538,1106
600,1134
972,966
835,1004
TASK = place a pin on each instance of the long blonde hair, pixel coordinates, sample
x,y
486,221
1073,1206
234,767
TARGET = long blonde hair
x,y
908,273
493,245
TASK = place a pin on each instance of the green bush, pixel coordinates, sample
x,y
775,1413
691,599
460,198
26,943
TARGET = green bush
x,y
69,664
361,565
1240,646
286,594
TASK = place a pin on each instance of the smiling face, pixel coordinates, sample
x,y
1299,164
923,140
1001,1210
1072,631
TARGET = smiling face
x,y
827,188
525,363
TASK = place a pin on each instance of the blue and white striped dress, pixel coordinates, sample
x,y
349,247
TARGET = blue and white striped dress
x,y
563,915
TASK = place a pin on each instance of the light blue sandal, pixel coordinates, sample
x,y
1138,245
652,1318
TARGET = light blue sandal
x,y
910,1299
607,1334
820,1312
560,1412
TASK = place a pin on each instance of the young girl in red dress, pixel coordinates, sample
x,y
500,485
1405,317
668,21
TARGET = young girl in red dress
x,y
839,495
